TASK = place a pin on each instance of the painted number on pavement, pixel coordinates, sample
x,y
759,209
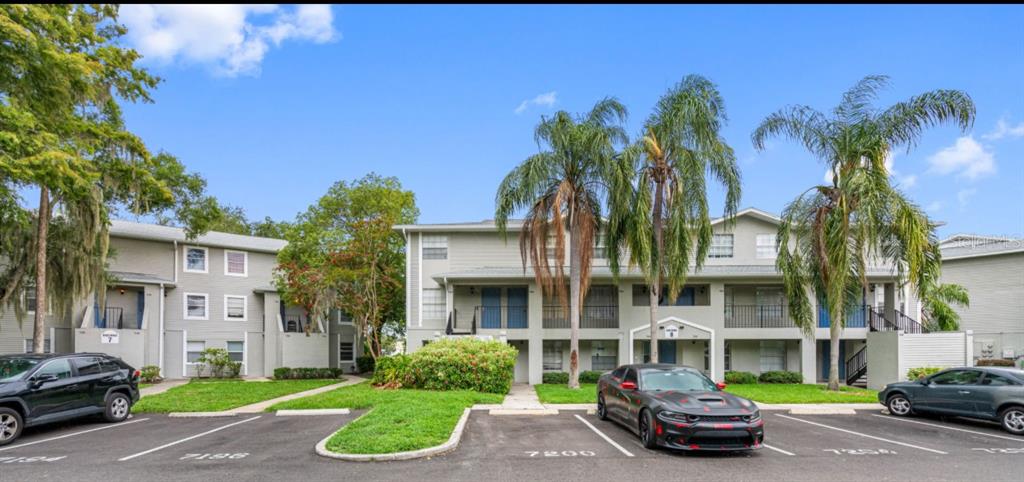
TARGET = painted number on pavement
x,y
29,460
1003,451
237,456
563,453
861,451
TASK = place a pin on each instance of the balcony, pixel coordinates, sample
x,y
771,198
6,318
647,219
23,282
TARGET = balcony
x,y
491,317
758,316
591,316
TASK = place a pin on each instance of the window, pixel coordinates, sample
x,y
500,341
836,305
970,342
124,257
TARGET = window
x,y
767,246
30,299
235,307
994,380
346,351
109,365
88,366
435,246
728,356
773,355
686,297
721,246
605,355
553,356
46,346
195,259
197,306
194,350
956,377
630,376
236,263
434,304
236,351
61,368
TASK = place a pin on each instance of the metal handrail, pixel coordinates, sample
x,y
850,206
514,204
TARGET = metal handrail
x,y
758,316
502,316
856,365
591,316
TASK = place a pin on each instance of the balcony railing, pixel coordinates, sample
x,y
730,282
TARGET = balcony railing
x,y
459,324
591,316
758,316
495,317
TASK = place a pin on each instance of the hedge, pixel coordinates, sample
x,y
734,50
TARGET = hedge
x,y
779,376
562,378
740,378
285,373
994,362
461,364
920,372
364,364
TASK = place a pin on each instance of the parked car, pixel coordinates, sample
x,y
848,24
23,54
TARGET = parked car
x,y
38,389
984,392
678,407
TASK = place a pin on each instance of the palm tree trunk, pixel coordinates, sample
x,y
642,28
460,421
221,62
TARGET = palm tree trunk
x,y
574,307
42,229
657,261
833,355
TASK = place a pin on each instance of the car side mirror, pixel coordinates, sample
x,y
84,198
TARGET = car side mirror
x,y
721,385
628,386
923,381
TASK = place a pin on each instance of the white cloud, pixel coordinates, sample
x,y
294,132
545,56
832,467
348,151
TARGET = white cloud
x,y
543,100
964,196
1004,129
231,39
966,157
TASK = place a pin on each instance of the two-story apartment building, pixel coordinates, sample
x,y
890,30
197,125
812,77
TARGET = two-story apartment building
x,y
171,298
465,279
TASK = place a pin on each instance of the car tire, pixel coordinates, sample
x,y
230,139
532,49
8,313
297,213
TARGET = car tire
x,y
119,406
10,425
1012,419
647,437
602,409
899,405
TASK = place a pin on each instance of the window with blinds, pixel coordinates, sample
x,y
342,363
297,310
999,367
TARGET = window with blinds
x,y
236,263
236,351
721,246
434,303
767,246
235,307
196,306
435,246
773,355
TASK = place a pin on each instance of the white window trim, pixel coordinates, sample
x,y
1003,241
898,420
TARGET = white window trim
x,y
184,260
184,306
186,350
245,308
46,341
245,270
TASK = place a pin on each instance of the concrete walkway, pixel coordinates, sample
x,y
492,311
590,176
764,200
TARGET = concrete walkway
x,y
521,400
161,387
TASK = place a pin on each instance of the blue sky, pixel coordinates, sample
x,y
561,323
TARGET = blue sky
x,y
272,106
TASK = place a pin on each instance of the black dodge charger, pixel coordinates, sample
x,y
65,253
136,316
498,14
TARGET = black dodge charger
x,y
679,408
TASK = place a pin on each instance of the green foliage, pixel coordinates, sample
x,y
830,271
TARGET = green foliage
x,y
559,378
285,373
921,372
734,377
802,393
215,395
780,376
561,393
217,363
365,364
994,362
150,374
590,376
832,233
937,306
463,364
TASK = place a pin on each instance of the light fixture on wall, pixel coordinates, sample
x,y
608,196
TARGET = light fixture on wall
x,y
472,290
121,290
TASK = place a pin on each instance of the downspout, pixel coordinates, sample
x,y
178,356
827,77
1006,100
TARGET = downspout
x,y
160,345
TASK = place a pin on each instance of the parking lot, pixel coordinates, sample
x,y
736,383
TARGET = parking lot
x,y
567,446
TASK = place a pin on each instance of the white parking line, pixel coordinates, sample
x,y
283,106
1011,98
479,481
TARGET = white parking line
x,y
778,450
26,444
1015,439
605,437
176,442
862,434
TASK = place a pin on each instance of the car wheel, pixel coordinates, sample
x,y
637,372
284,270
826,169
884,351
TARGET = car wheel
x,y
602,409
647,437
1013,420
899,405
118,407
10,425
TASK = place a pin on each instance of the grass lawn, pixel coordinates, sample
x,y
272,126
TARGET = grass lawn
x,y
217,395
558,393
399,420
781,393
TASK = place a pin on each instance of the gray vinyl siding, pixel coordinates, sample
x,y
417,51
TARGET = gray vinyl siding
x,y
142,256
744,231
474,250
995,285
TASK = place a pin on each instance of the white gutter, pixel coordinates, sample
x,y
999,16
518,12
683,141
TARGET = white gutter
x,y
160,345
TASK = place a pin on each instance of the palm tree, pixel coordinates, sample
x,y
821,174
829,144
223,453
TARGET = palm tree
x,y
937,311
660,208
831,232
561,189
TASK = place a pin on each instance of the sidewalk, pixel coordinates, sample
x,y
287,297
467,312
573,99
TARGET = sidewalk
x,y
162,387
521,400
260,407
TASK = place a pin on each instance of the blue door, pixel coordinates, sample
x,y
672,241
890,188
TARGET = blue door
x,y
490,310
826,351
516,310
140,305
667,351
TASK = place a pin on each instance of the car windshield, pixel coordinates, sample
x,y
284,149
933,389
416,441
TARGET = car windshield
x,y
13,368
677,380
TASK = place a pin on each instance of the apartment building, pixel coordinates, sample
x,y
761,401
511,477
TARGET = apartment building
x,y
465,279
171,298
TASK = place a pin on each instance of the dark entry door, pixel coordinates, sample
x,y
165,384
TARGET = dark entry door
x,y
490,316
516,310
667,351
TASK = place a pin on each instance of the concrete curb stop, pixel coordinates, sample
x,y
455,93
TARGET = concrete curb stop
x,y
451,444
201,414
313,411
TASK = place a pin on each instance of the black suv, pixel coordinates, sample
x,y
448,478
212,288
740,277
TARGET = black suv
x,y
38,389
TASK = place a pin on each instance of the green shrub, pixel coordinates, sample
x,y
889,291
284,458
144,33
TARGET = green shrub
x,y
780,376
740,378
994,362
560,378
150,374
217,362
589,376
921,372
285,373
392,371
364,364
464,364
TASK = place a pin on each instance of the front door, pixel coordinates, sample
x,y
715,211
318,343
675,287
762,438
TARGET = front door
x,y
516,309
490,316
667,351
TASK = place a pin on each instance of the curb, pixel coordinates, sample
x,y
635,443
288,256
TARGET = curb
x,y
313,411
451,444
523,411
201,414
